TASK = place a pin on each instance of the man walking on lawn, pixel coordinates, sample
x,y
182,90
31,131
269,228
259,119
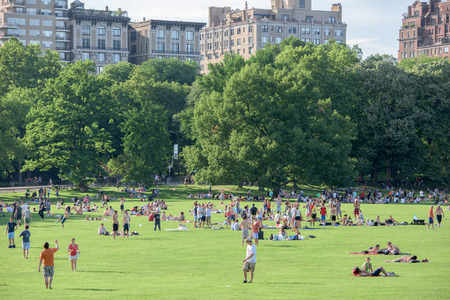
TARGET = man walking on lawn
x,y
47,257
249,261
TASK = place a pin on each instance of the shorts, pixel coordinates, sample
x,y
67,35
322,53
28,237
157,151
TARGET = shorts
x,y
245,233
322,217
126,227
72,257
208,219
439,218
195,218
259,218
430,220
233,217
356,211
121,207
10,235
63,220
19,217
314,215
115,227
48,271
333,218
27,220
376,272
248,266
297,218
204,218
255,236
26,246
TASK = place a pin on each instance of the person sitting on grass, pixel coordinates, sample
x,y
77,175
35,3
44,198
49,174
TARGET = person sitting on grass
x,y
390,220
102,230
358,272
404,259
392,249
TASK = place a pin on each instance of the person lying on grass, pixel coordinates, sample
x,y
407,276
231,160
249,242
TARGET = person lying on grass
x,y
358,272
404,259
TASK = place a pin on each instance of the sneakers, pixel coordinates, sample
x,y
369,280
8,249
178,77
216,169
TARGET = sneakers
x,y
245,281
9,246
13,246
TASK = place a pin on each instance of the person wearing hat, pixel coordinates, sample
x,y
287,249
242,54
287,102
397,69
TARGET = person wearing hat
x,y
249,261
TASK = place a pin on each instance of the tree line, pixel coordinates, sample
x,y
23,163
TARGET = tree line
x,y
293,112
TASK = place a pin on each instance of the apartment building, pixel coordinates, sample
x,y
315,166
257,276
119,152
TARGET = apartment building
x,y
425,30
245,31
150,39
98,35
43,22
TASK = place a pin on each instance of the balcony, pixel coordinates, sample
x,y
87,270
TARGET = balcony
x,y
175,52
102,49
4,35
61,7
99,13
62,48
14,3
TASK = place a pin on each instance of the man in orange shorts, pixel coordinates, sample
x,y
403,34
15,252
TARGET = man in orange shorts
x,y
47,257
430,218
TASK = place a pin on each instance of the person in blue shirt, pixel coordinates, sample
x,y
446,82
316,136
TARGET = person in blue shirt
x,y
25,241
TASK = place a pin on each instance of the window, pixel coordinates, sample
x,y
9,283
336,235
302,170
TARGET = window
x,y
101,31
161,47
19,10
325,41
250,40
99,69
339,41
309,19
238,42
239,52
232,43
316,31
175,48
101,44
35,22
250,28
306,40
61,24
48,33
116,58
46,2
47,23
31,11
338,32
46,12
133,35
326,32
279,29
265,28
34,43
116,45
85,56
47,44
117,31
189,48
175,35
61,35
86,30
316,41
34,32
285,18
133,49
231,31
445,49
238,31
306,30
264,39
101,57
189,36
302,4
278,40
331,20
16,21
31,1
249,50
86,43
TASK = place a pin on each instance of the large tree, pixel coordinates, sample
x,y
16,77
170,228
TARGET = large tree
x,y
64,129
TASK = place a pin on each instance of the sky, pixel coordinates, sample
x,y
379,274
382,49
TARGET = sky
x,y
373,25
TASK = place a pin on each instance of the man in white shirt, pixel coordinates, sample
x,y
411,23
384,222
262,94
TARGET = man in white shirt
x,y
250,260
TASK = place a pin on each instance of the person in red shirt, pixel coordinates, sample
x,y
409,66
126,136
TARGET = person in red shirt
x,y
430,218
47,257
323,214
255,229
74,253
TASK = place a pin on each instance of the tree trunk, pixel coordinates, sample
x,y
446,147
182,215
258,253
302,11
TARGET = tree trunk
x,y
374,177
20,175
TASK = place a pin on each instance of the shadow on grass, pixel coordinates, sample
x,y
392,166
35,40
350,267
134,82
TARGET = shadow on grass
x,y
293,283
95,290
106,271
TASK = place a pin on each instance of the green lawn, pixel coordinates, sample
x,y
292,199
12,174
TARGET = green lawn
x,y
205,263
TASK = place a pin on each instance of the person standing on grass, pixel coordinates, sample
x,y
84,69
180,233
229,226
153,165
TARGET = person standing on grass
x,y
10,228
25,241
208,216
47,257
115,224
249,260
18,214
74,254
122,206
333,214
157,218
439,214
126,224
48,206
27,216
356,207
255,230
41,209
323,214
245,225
430,218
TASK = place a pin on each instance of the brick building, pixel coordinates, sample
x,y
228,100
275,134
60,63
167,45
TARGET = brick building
x,y
150,39
245,31
425,30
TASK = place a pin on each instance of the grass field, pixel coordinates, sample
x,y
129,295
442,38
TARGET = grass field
x,y
205,263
